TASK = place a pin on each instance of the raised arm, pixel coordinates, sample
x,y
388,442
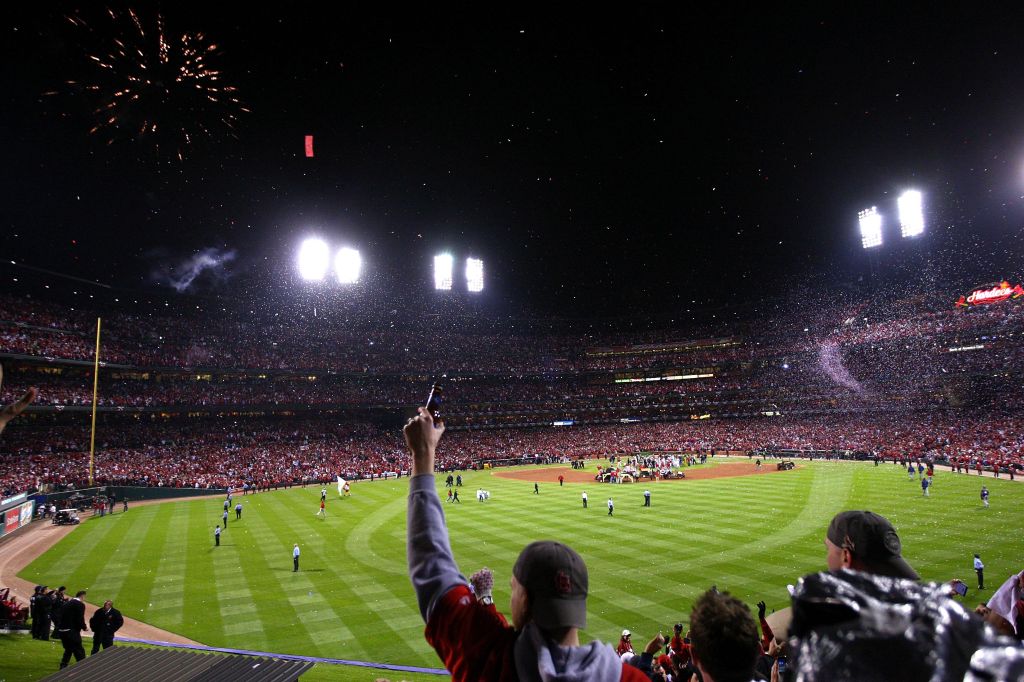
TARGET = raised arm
x,y
432,567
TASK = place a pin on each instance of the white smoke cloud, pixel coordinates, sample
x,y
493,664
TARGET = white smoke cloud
x,y
181,276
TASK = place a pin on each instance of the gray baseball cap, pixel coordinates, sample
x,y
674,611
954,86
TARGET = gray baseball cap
x,y
556,581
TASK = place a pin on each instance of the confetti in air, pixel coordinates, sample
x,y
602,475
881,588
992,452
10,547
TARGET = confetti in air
x,y
830,361
154,87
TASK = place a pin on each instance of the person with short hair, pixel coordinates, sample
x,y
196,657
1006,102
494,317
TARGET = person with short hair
x,y
238,512
216,536
549,584
979,569
33,609
104,623
723,638
45,607
70,625
295,556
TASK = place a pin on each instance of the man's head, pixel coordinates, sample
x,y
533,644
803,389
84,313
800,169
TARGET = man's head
x,y
107,605
549,587
865,541
723,635
79,594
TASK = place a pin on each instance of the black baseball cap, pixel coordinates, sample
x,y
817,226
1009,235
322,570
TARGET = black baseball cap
x,y
872,539
556,581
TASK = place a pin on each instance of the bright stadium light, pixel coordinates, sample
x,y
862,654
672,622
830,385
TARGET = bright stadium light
x,y
870,228
443,271
474,274
911,213
314,259
347,265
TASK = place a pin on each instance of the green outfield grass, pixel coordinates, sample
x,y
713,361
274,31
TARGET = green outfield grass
x,y
352,599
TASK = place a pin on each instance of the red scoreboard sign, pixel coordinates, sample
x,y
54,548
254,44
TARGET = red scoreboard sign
x,y
12,520
991,293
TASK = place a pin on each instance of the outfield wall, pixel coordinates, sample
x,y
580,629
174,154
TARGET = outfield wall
x,y
132,493
17,517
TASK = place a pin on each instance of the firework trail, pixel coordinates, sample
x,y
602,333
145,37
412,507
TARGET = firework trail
x,y
153,87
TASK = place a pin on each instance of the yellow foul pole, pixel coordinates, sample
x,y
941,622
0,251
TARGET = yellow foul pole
x,y
95,387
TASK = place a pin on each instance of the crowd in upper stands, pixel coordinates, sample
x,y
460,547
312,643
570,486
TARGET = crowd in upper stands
x,y
843,378
379,346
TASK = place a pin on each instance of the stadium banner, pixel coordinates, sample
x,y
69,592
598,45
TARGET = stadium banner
x,y
18,517
987,294
12,501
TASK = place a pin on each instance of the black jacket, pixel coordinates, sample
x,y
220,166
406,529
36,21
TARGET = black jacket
x,y
106,622
72,616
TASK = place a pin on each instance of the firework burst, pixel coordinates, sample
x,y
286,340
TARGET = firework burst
x,y
155,88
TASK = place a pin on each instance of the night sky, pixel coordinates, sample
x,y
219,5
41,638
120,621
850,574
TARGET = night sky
x,y
601,165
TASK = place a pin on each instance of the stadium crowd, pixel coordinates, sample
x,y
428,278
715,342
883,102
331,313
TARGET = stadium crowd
x,y
377,346
225,453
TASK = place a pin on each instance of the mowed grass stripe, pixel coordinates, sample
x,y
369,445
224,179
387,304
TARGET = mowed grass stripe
x,y
101,564
65,560
149,539
167,594
248,618
300,593
202,620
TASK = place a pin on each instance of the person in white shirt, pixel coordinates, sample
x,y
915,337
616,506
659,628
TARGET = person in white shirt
x,y
979,568
295,558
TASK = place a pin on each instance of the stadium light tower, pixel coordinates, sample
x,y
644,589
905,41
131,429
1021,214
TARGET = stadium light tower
x,y
474,274
911,213
443,271
347,266
870,228
314,259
